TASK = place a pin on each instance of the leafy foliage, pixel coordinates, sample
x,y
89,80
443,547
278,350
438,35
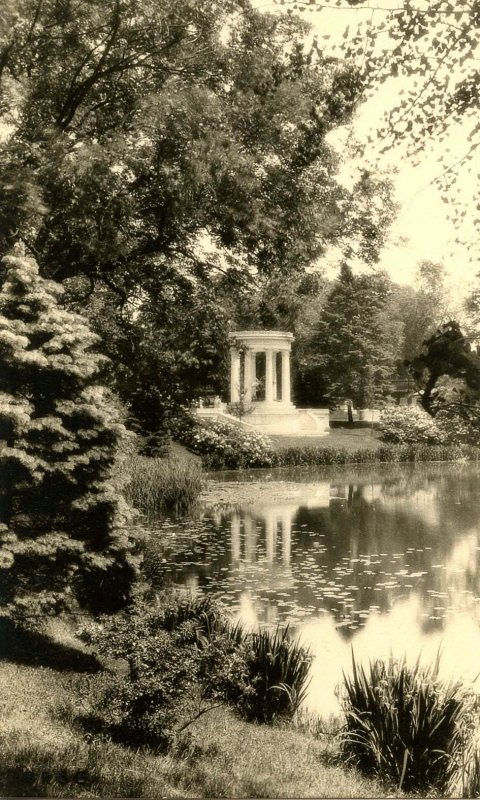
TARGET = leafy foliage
x,y
143,706
422,308
225,445
410,425
62,520
185,647
460,422
446,353
167,159
427,56
404,724
173,350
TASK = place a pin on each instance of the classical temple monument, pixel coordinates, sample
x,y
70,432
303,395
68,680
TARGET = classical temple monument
x,y
260,387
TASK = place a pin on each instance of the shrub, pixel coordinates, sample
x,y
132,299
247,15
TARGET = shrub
x,y
410,425
185,648
224,445
143,706
405,725
157,486
63,534
460,427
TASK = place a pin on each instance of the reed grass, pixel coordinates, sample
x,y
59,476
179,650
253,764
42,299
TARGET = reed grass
x,y
276,666
276,679
465,782
295,456
158,486
405,725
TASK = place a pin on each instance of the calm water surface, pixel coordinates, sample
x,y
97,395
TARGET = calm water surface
x,y
384,561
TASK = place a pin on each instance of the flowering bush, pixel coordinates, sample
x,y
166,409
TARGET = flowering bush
x,y
411,435
224,445
460,428
410,425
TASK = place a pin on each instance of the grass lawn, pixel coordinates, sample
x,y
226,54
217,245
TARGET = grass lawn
x,y
354,439
46,754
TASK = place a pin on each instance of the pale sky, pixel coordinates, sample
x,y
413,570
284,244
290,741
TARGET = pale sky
x,y
422,229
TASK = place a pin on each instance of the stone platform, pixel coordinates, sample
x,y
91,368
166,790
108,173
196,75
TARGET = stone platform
x,y
300,422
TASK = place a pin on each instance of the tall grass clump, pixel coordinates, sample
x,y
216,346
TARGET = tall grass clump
x,y
158,486
278,671
404,725
263,674
466,780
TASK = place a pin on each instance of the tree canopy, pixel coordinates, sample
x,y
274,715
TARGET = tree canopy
x,y
447,353
174,153
428,55
137,127
352,349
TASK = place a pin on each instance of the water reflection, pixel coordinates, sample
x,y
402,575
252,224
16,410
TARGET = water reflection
x,y
389,563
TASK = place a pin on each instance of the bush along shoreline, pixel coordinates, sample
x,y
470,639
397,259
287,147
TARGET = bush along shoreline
x,y
224,446
400,724
182,658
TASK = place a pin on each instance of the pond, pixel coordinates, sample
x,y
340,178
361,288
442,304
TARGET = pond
x,y
379,560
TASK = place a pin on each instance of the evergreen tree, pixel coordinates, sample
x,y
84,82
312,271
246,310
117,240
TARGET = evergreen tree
x,y
352,351
61,539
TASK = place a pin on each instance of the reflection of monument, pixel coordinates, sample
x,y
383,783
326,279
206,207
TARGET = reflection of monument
x,y
276,530
260,382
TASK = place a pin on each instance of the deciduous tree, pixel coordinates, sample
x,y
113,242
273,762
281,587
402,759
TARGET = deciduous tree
x,y
427,53
447,354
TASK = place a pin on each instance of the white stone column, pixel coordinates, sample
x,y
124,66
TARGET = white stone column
x,y
268,376
234,375
247,376
274,369
286,376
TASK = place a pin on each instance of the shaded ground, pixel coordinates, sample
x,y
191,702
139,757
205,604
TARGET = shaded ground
x,y
32,648
45,754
